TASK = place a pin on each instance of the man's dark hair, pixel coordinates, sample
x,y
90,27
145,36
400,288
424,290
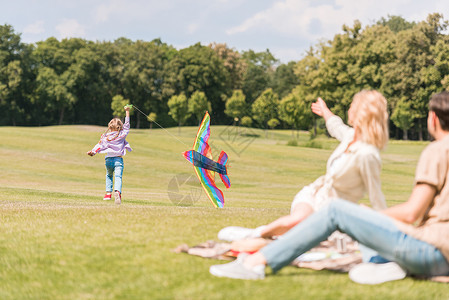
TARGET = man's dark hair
x,y
439,103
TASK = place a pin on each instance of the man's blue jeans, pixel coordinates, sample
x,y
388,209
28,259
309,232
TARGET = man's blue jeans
x,y
114,172
370,228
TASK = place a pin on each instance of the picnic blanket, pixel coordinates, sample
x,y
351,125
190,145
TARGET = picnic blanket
x,y
339,253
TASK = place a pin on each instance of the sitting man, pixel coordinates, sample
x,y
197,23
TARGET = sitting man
x,y
419,250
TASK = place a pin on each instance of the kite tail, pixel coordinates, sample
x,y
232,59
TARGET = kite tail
x,y
223,159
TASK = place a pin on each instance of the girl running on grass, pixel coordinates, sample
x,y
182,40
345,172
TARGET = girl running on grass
x,y
113,143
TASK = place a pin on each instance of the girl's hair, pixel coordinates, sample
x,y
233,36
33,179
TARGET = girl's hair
x,y
371,117
114,125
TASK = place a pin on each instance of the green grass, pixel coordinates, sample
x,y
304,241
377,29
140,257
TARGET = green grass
x,y
59,240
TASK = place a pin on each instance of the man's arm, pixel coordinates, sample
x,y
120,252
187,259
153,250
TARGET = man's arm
x,y
416,205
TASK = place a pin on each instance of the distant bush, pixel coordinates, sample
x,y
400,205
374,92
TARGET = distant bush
x,y
313,144
246,121
293,143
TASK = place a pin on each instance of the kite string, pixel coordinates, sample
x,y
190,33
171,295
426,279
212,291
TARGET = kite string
x,y
135,107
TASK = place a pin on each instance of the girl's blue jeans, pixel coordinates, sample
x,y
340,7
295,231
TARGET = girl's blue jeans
x,y
370,228
114,172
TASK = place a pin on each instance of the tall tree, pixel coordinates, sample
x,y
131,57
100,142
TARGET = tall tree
x,y
12,73
265,107
285,79
236,106
141,73
396,23
56,80
258,77
403,116
117,105
233,62
412,75
295,111
179,109
53,92
198,105
199,68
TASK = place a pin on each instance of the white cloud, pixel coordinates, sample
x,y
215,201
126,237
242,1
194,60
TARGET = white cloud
x,y
306,19
129,10
290,17
34,28
70,28
103,12
192,28
287,54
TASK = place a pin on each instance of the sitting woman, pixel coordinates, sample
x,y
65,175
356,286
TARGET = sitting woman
x,y
353,169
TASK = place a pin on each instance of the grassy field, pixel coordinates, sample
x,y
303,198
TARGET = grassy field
x,y
59,240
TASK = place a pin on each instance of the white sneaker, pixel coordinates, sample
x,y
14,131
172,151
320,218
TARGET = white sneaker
x,y
370,273
234,233
238,270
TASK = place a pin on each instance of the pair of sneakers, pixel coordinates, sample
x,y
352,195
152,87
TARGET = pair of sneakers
x,y
117,196
365,273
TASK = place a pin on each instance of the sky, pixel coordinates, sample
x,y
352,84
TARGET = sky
x,y
288,28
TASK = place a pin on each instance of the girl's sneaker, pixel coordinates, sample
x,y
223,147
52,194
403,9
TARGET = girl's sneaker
x,y
107,196
118,197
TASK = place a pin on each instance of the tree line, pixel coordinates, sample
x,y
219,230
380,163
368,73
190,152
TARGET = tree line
x,y
76,81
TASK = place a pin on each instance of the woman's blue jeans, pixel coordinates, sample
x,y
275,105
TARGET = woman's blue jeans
x,y
114,172
370,228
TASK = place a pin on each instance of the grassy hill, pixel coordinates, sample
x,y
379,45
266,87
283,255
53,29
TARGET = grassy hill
x,y
59,240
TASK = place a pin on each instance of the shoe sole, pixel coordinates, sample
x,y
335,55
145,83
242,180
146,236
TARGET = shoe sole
x,y
217,272
118,198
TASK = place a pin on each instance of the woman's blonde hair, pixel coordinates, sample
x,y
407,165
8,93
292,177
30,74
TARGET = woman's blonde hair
x,y
371,117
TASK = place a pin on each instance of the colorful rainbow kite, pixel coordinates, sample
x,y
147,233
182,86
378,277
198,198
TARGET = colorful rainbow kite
x,y
205,167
